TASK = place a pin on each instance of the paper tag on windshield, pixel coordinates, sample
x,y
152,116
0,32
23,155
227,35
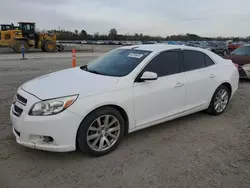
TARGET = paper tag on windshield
x,y
135,55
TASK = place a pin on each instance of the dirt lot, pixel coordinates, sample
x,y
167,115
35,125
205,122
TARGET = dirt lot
x,y
195,151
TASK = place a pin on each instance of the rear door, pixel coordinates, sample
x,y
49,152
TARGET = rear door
x,y
200,79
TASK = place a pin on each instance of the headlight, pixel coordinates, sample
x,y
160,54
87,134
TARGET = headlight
x,y
52,106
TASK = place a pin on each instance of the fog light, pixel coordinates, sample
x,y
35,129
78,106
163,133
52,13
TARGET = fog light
x,y
48,139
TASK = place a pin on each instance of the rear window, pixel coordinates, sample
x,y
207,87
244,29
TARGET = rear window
x,y
119,62
244,50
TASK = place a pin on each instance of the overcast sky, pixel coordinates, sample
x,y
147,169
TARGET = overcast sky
x,y
154,17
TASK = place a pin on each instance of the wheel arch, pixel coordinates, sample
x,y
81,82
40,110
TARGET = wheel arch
x,y
225,83
115,106
21,39
228,85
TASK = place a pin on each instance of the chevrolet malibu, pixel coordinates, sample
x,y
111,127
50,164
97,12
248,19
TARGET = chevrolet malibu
x,y
93,107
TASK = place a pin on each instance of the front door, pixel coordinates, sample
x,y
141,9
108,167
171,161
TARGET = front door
x,y
157,99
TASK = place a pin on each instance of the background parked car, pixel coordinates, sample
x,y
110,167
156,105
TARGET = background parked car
x,y
216,47
232,46
241,57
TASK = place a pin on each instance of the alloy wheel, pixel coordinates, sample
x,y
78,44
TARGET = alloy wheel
x,y
103,133
221,100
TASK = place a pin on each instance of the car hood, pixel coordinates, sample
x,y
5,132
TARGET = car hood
x,y
238,59
69,82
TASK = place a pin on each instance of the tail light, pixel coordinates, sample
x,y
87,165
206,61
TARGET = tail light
x,y
236,65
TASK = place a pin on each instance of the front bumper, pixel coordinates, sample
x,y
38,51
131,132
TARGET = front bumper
x,y
31,131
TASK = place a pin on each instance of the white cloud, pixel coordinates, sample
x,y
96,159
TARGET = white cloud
x,y
158,17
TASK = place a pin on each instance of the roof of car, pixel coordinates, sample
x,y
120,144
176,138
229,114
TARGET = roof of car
x,y
164,47
161,47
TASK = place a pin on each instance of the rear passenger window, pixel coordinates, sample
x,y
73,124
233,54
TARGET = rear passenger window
x,y
209,61
166,63
193,60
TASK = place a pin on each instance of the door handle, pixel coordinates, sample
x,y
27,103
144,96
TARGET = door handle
x,y
179,84
212,76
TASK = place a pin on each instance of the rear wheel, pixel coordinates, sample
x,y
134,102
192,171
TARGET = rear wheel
x,y
101,132
18,46
49,46
219,101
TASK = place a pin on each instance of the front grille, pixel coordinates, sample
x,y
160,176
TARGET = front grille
x,y
21,99
17,132
17,111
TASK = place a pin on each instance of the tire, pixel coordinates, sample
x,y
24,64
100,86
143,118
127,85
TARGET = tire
x,y
49,46
213,109
87,139
18,46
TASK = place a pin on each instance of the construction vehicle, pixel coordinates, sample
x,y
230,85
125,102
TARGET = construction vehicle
x,y
25,36
6,27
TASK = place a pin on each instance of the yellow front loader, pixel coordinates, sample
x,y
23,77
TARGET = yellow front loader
x,y
25,36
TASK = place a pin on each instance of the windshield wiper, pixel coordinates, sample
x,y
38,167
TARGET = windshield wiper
x,y
92,71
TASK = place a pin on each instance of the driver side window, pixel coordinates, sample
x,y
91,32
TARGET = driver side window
x,y
164,64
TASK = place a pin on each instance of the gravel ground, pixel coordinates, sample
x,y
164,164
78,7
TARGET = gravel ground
x,y
194,151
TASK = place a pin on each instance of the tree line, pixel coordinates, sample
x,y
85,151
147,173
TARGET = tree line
x,y
113,35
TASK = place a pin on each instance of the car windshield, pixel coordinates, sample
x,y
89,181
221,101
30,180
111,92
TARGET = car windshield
x,y
244,50
119,62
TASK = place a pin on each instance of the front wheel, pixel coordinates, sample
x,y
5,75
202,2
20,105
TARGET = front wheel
x,y
219,101
18,46
101,132
49,46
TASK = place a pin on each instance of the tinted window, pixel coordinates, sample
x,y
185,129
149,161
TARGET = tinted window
x,y
164,64
244,50
193,60
209,61
119,62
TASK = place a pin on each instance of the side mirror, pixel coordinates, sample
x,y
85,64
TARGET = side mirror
x,y
148,76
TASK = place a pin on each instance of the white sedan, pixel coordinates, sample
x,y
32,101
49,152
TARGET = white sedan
x,y
93,107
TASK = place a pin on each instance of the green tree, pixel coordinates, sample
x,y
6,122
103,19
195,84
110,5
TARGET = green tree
x,y
76,32
112,34
97,36
84,34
